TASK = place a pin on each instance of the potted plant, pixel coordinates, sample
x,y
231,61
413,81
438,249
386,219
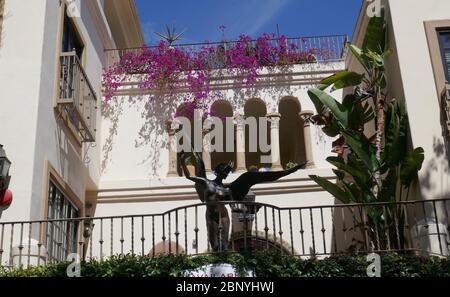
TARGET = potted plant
x,y
290,165
253,168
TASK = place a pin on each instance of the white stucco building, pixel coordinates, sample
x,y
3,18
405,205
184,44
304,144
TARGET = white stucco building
x,y
74,156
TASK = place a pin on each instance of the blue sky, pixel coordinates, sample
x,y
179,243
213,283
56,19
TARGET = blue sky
x,y
202,18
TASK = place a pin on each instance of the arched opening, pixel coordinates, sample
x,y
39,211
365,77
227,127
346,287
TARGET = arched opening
x,y
292,141
223,109
255,108
259,242
186,110
166,247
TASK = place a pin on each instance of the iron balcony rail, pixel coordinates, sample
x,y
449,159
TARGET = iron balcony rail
x,y
312,231
333,48
77,97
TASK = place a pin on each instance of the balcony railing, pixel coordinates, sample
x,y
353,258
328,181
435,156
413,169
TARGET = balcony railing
x,y
77,97
332,48
420,227
445,106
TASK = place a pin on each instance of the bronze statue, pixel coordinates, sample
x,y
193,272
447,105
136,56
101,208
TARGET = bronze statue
x,y
211,191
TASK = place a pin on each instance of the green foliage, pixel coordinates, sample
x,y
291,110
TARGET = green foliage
x,y
372,170
265,264
290,165
171,37
253,168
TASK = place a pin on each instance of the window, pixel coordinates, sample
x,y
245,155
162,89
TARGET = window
x,y
70,38
61,235
444,41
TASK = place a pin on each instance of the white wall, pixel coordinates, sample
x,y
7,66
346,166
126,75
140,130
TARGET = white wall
x,y
30,130
20,72
134,140
420,89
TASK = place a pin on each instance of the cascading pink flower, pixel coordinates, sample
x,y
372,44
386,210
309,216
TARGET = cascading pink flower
x,y
172,68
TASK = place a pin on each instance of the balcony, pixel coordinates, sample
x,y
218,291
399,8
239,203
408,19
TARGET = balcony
x,y
418,227
332,49
77,99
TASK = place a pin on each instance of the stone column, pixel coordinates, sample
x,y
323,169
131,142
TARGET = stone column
x,y
306,117
240,143
274,120
206,149
171,128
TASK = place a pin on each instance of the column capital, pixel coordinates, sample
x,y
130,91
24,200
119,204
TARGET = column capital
x,y
239,120
274,120
306,116
273,116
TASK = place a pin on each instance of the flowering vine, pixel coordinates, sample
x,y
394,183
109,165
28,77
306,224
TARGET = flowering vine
x,y
173,70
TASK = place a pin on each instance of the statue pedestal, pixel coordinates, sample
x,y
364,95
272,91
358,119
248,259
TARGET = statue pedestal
x,y
242,218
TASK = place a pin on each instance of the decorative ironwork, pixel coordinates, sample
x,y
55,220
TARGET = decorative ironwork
x,y
311,231
77,98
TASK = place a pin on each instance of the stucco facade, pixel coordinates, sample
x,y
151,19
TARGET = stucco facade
x,y
129,169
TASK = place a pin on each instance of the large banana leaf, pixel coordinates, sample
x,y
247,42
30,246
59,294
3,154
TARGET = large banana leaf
x,y
321,98
361,177
411,165
341,79
365,150
332,188
395,135
389,187
375,38
360,56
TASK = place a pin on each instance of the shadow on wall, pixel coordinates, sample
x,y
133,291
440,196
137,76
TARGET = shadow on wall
x,y
156,111
438,165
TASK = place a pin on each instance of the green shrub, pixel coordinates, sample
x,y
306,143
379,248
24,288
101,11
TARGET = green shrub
x,y
265,265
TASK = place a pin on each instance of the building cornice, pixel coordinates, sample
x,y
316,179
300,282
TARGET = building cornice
x,y
101,24
182,190
300,75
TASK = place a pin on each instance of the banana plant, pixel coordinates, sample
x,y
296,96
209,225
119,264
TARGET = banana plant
x,y
377,168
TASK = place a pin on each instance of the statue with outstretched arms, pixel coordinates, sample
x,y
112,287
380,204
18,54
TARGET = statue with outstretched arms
x,y
211,191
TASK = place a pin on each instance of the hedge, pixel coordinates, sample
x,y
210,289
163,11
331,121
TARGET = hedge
x,y
265,265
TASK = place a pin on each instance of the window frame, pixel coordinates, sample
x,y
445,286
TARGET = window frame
x,y
52,175
432,29
61,237
67,122
445,65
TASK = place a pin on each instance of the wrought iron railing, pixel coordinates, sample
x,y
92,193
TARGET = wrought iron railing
x,y
331,48
310,231
77,98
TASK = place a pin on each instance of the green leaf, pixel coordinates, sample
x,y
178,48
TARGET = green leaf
x,y
339,173
338,110
341,79
365,150
395,134
388,187
411,165
361,177
360,56
331,188
332,128
375,38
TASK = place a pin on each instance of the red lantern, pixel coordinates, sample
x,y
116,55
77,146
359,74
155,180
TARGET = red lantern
x,y
6,197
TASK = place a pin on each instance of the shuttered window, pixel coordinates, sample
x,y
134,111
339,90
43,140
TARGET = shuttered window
x,y
444,40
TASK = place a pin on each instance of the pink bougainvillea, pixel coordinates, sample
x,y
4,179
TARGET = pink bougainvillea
x,y
189,71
